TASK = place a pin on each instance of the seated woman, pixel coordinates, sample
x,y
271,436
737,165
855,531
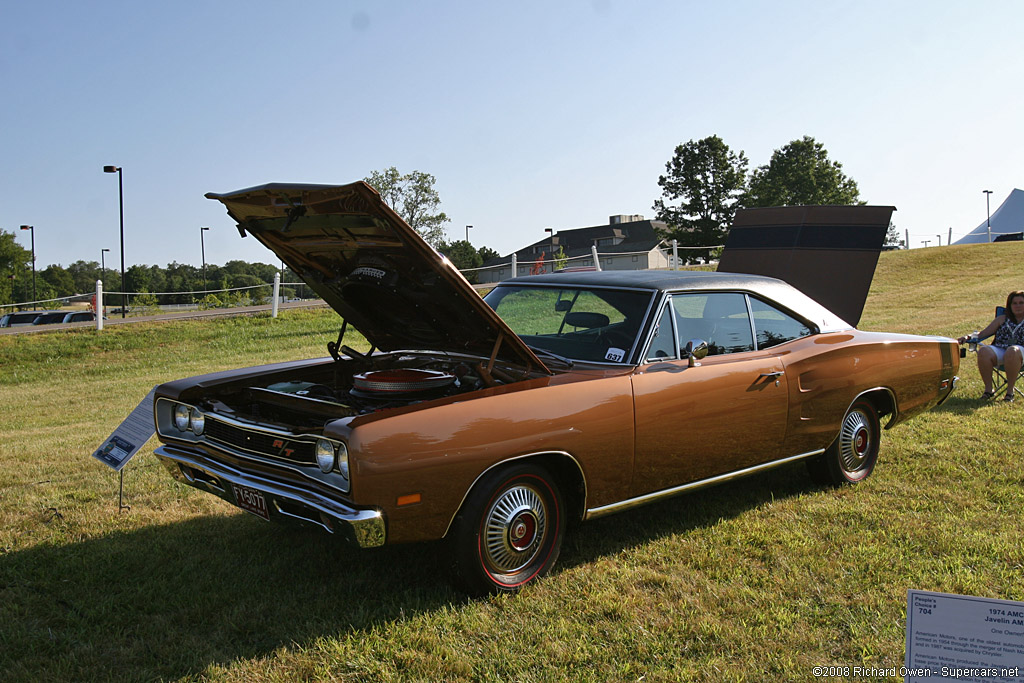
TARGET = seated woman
x,y
1007,349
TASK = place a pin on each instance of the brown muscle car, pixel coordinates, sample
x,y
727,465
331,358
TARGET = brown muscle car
x,y
494,422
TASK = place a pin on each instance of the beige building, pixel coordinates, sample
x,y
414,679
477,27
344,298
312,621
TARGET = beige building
x,y
627,242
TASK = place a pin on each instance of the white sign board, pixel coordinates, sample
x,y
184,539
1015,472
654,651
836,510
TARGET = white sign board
x,y
130,436
963,638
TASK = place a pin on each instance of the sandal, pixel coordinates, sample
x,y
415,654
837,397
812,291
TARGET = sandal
x,y
986,395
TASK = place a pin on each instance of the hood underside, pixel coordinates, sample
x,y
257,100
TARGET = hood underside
x,y
373,269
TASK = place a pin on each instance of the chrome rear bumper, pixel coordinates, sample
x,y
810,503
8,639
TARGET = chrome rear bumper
x,y
285,503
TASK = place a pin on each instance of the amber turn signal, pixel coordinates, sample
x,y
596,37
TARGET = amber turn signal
x,y
408,499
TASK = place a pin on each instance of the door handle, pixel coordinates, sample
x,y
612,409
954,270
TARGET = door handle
x,y
777,373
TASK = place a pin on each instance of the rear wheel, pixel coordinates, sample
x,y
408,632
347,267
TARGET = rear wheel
x,y
509,531
852,456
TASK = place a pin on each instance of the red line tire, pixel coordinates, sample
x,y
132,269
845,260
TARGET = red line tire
x,y
510,530
852,456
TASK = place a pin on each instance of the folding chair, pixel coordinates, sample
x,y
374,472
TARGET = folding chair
x,y
999,381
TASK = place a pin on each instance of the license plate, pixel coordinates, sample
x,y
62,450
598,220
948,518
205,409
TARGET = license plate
x,y
251,500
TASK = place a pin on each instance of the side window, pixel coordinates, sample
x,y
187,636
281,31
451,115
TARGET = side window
x,y
775,327
719,318
663,343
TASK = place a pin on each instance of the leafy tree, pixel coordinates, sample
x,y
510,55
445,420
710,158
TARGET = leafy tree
x,y
893,237
707,179
236,267
264,271
486,254
210,301
413,197
137,278
59,280
146,303
14,259
244,280
181,277
463,255
85,273
801,174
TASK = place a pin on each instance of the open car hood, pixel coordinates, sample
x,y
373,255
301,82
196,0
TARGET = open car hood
x,y
373,269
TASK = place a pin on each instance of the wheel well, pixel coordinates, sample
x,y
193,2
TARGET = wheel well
x,y
567,474
883,401
564,470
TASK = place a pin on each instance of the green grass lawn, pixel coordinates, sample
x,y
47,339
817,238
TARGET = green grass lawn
x,y
760,579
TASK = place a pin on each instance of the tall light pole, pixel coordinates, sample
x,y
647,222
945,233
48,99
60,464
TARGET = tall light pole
x,y
202,244
988,216
120,198
468,228
32,230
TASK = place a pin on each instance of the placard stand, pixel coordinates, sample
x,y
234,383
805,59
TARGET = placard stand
x,y
120,494
127,439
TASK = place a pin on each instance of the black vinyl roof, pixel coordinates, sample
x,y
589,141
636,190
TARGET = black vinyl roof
x,y
675,281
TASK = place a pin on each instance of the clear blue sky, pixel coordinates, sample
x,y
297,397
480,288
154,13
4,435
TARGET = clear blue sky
x,y
530,114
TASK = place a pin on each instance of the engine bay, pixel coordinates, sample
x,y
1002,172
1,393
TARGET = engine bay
x,y
304,400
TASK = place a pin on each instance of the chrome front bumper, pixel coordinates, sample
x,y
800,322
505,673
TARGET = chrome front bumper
x,y
285,502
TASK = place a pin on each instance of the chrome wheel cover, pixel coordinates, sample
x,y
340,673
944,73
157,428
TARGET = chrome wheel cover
x,y
514,528
855,441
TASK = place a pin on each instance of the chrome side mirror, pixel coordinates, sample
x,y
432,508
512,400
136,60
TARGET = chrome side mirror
x,y
695,350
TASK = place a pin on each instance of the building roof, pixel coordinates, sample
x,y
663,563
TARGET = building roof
x,y
620,238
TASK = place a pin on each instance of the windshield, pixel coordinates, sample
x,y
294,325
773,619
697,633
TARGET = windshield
x,y
580,323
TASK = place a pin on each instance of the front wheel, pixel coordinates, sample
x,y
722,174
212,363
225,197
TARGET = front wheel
x,y
509,531
852,456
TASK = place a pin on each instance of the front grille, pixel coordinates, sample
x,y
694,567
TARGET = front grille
x,y
277,446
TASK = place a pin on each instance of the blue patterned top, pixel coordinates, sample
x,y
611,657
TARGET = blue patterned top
x,y
1009,333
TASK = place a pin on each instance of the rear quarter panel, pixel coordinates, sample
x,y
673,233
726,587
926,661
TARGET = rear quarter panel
x,y
828,371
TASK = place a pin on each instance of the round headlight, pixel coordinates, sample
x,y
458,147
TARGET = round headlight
x,y
324,455
197,421
181,417
343,460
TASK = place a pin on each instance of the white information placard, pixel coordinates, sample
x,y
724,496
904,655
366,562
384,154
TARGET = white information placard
x,y
963,638
130,436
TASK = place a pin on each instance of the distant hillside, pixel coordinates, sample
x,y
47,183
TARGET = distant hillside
x,y
942,290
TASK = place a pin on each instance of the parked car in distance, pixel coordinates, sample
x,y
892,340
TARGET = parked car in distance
x,y
496,423
79,316
18,318
50,317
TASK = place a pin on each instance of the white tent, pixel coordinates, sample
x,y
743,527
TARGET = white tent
x,y
1007,219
